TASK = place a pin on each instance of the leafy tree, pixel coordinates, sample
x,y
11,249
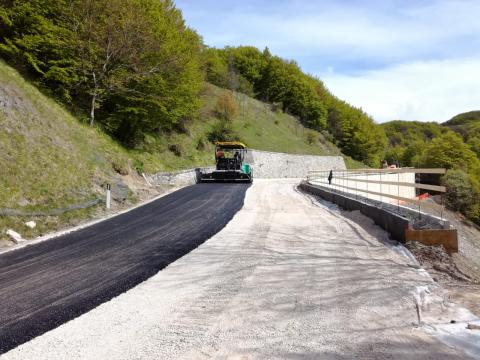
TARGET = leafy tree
x,y
132,65
474,143
463,193
35,36
216,67
449,151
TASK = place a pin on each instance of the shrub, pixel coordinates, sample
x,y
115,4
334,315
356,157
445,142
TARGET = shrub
x,y
310,136
460,194
176,149
120,168
138,166
226,107
201,144
222,131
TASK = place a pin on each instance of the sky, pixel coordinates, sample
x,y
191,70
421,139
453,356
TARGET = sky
x,y
396,59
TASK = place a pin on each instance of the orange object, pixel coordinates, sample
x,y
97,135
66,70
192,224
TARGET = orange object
x,y
423,196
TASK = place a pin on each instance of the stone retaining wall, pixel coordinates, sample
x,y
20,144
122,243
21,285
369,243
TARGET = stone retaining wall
x,y
280,165
264,164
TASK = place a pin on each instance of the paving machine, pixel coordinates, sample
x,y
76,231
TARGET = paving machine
x,y
230,164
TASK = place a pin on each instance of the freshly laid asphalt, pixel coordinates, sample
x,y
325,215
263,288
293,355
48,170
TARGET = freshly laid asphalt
x,y
44,285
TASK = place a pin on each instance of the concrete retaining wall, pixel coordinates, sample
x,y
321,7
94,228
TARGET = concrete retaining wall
x,y
280,165
390,222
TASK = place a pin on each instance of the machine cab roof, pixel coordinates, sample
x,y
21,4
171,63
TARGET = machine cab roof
x,y
230,145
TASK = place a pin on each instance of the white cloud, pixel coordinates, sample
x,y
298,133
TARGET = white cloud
x,y
425,91
390,30
397,59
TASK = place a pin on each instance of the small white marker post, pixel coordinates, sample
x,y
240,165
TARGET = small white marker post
x,y
109,197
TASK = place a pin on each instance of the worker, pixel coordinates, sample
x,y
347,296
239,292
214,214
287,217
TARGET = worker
x,y
330,177
236,156
219,154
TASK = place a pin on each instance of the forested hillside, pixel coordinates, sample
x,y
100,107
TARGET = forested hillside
x,y
135,69
282,83
452,145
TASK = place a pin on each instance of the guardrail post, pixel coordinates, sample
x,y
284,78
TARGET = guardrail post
x,y
109,197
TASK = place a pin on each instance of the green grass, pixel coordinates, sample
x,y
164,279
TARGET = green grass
x,y
256,125
49,159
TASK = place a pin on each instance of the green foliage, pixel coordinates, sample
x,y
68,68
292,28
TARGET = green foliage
x,y
471,117
311,137
474,143
284,84
463,193
226,107
449,151
454,146
131,65
222,130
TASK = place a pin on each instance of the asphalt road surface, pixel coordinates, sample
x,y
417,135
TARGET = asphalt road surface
x,y
47,284
287,278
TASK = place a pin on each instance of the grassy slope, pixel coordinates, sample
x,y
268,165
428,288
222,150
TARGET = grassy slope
x,y
50,160
256,124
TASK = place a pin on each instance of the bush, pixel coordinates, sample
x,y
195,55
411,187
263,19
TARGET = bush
x,y
121,169
226,107
461,191
176,149
201,145
473,213
222,131
310,136
277,107
138,166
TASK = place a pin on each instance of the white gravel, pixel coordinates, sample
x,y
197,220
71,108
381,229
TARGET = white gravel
x,y
286,278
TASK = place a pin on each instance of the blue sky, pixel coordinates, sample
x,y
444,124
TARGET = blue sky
x,y
412,60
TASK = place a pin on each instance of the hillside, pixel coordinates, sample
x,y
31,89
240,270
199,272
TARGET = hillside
x,y
468,118
454,145
52,161
468,126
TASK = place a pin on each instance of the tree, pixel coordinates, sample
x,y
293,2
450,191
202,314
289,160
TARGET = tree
x,y
449,151
36,38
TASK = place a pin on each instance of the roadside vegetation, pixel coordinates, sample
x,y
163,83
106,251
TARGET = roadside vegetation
x,y
452,145
128,87
135,69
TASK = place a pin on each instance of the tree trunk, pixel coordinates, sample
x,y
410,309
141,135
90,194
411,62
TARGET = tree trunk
x,y
94,100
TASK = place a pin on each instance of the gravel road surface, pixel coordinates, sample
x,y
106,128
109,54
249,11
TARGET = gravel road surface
x,y
287,278
47,284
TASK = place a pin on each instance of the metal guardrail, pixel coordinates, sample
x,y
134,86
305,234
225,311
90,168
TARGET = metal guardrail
x,y
356,182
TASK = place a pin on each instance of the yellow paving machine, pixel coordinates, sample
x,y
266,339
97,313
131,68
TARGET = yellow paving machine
x,y
230,164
